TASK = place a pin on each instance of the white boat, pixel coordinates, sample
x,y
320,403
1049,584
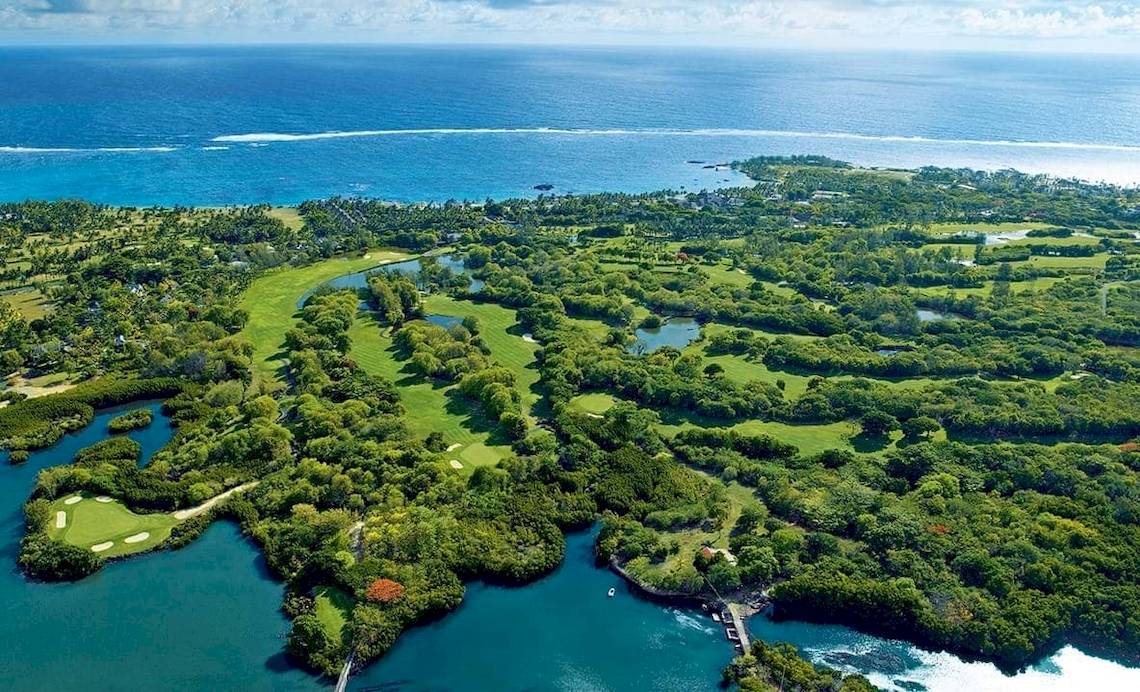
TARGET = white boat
x,y
611,592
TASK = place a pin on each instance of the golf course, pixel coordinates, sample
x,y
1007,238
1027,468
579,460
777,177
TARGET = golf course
x,y
106,526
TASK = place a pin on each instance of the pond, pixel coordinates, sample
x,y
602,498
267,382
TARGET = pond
x,y
1006,236
896,665
445,321
410,268
677,332
934,315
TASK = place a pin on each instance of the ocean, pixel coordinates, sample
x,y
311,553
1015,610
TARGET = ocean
x,y
229,125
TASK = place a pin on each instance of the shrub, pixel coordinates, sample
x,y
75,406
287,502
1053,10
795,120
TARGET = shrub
x,y
384,591
133,420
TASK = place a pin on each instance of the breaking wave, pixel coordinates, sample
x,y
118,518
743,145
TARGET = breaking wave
x,y
79,150
267,137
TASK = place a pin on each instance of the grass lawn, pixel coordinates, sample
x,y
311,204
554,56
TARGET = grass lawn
x,y
1038,284
289,216
271,301
30,303
434,407
1095,262
740,370
689,541
90,522
1071,240
708,330
811,439
986,228
333,609
43,385
499,328
725,274
594,402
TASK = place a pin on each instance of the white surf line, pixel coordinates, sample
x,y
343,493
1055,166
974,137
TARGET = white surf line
x,y
61,519
265,137
81,150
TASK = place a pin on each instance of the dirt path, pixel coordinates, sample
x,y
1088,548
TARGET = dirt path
x,y
356,539
182,514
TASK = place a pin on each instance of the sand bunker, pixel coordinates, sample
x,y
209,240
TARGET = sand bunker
x,y
100,547
60,520
137,537
529,339
454,447
72,500
455,464
103,498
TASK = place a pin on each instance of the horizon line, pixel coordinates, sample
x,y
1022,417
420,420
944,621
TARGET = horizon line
x,y
779,47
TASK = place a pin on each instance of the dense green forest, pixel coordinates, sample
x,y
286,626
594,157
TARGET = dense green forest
x,y
911,403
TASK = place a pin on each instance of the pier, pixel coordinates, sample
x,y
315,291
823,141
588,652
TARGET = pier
x,y
342,680
734,623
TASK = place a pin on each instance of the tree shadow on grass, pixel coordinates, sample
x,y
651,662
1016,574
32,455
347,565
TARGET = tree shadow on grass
x,y
472,417
866,444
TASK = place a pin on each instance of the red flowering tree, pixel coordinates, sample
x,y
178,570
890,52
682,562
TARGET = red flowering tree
x,y
385,591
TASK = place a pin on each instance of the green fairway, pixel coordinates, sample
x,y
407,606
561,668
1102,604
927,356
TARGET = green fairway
x,y
596,403
985,228
811,439
726,274
1060,242
435,407
499,328
333,609
741,370
1038,284
91,522
1096,262
271,301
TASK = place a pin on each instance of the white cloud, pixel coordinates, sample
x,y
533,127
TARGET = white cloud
x,y
957,23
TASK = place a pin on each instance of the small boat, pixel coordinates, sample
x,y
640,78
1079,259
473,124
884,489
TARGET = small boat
x,y
611,592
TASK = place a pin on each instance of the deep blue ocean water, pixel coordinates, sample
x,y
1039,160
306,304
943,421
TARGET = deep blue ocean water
x,y
282,124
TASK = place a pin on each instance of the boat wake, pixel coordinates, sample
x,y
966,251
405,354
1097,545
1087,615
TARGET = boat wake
x,y
267,137
686,620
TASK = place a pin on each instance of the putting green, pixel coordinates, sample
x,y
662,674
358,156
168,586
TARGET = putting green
x,y
89,522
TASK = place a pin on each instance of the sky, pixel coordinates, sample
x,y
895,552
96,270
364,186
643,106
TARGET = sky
x,y
959,25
